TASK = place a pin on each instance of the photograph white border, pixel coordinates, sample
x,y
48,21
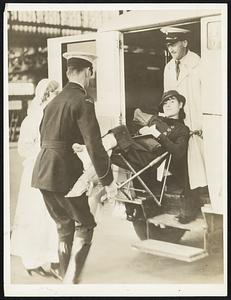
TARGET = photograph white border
x,y
107,290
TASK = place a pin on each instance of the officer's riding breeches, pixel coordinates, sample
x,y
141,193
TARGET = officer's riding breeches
x,y
75,225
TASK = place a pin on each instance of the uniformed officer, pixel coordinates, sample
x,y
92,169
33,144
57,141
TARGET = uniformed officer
x,y
70,118
183,73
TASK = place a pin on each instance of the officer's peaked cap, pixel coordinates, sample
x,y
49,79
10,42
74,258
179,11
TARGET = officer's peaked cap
x,y
74,57
174,34
169,94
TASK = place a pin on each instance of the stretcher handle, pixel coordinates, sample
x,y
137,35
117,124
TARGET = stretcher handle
x,y
165,178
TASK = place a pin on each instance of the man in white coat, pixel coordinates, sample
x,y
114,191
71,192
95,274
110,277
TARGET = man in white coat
x,y
182,73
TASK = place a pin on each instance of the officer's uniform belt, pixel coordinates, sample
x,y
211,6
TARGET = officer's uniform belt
x,y
53,144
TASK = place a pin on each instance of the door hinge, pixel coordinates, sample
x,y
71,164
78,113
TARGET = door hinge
x,y
120,44
120,119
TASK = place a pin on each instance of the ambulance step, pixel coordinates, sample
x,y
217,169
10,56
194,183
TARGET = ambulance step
x,y
207,208
171,221
170,250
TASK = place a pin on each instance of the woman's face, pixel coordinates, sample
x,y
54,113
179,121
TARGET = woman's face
x,y
171,107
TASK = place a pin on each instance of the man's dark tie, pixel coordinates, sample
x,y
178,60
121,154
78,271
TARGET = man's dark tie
x,y
177,62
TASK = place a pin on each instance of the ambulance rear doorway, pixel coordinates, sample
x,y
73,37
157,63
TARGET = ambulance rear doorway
x,y
145,56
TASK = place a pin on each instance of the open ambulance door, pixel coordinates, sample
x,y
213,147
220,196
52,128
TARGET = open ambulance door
x,y
110,106
60,45
213,99
105,85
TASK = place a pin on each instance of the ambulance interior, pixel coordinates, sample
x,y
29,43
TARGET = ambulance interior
x,y
145,56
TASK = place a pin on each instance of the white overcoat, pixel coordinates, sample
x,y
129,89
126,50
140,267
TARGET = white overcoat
x,y
34,236
189,85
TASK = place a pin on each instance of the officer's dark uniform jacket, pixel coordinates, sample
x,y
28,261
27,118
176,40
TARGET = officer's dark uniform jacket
x,y
69,118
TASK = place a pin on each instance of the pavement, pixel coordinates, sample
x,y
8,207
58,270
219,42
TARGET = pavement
x,y
112,260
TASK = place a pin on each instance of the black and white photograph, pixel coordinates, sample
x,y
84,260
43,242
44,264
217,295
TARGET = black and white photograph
x,y
115,149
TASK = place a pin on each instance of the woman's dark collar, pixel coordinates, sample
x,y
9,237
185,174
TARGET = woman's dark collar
x,y
172,121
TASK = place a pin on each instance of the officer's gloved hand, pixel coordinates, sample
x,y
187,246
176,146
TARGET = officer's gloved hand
x,y
111,191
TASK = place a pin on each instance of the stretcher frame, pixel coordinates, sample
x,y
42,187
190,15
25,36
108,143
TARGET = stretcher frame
x,y
136,174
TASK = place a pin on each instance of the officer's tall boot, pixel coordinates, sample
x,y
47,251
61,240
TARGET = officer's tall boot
x,y
64,253
80,250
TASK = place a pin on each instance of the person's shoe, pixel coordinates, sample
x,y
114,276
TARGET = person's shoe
x,y
54,270
185,219
40,271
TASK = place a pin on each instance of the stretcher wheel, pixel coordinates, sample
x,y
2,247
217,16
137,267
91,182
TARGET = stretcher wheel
x,y
167,234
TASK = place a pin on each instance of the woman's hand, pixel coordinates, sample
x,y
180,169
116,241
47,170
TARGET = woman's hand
x,y
145,130
150,130
155,132
197,132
